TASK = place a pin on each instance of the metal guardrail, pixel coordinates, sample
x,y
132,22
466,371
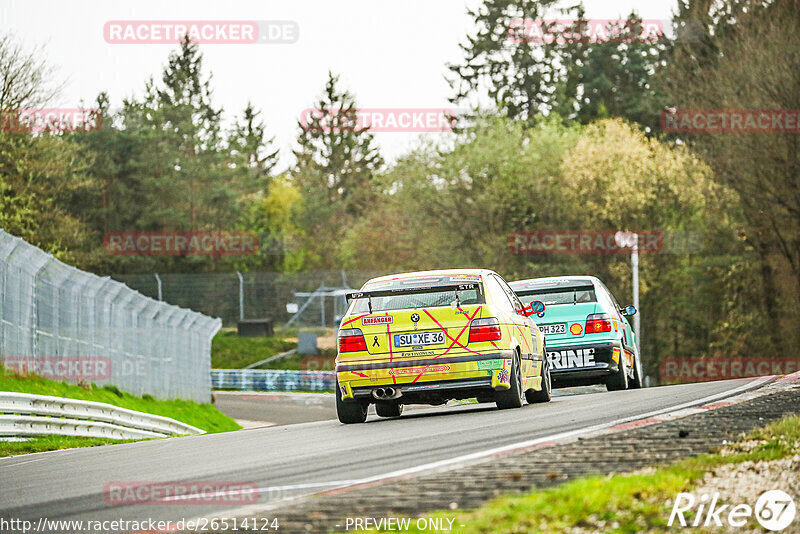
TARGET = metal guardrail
x,y
23,414
272,380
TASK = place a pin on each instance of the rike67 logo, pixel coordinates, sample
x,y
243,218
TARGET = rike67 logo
x,y
774,510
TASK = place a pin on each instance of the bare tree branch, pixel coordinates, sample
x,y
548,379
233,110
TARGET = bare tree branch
x,y
26,80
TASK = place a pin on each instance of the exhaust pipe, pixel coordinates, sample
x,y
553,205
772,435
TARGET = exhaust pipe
x,y
386,393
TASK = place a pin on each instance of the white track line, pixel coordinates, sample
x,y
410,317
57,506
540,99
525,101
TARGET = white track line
x,y
339,484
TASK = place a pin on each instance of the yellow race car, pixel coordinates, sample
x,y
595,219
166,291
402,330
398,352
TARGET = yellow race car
x,y
428,337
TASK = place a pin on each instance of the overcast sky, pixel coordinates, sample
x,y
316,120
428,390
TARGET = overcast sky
x,y
390,54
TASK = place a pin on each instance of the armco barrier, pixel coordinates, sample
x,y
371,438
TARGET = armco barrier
x,y
272,380
22,414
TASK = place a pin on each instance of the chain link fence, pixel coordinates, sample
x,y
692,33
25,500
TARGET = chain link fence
x,y
301,299
67,324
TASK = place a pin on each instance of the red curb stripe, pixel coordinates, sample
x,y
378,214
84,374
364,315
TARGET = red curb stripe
x,y
636,424
715,405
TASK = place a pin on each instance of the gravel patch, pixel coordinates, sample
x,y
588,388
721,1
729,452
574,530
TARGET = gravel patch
x,y
745,482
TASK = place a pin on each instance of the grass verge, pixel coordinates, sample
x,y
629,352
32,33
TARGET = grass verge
x,y
229,351
202,416
53,443
630,502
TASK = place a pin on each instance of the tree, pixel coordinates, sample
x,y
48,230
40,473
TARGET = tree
x,y
272,215
624,180
251,149
162,164
525,77
336,170
191,176
39,173
500,176
616,75
745,58
25,78
532,65
396,234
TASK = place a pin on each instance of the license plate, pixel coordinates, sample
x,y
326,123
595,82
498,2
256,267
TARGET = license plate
x,y
557,328
418,338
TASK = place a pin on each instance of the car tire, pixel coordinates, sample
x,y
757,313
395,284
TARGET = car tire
x,y
619,380
389,409
636,381
546,393
513,396
350,412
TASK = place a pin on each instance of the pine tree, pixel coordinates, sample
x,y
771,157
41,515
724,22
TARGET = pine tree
x,y
250,147
337,159
525,74
617,75
187,171
532,65
337,165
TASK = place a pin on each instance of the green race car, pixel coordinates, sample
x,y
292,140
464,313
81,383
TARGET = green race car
x,y
588,338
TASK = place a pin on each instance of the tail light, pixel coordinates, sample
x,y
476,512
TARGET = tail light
x,y
351,340
597,323
484,330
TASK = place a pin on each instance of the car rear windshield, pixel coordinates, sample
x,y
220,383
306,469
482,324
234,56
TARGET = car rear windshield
x,y
559,295
419,300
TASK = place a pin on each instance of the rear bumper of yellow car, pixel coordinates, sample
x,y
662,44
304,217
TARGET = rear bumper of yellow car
x,y
460,376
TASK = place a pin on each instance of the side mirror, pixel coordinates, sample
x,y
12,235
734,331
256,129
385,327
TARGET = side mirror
x,y
628,311
537,307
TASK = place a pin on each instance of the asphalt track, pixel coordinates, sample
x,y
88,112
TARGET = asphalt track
x,y
286,461
258,409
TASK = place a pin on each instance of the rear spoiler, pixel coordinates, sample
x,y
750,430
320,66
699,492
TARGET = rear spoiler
x,y
533,290
409,291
